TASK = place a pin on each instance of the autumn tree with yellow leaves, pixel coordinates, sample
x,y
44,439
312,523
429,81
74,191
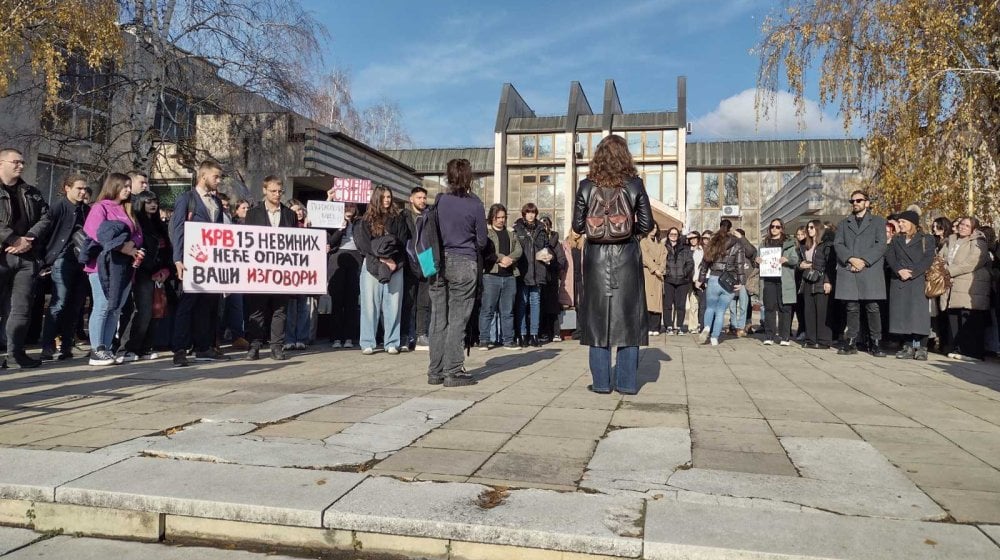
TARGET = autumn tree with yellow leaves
x,y
922,77
43,34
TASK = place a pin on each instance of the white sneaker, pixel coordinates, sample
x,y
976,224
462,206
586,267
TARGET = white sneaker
x,y
368,351
102,358
703,336
126,357
300,345
404,348
557,338
392,350
348,344
715,342
337,344
784,343
768,342
288,347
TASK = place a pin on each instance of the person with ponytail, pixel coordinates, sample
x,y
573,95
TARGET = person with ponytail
x,y
722,274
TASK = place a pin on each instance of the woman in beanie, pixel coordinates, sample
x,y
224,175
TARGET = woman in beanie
x,y
909,256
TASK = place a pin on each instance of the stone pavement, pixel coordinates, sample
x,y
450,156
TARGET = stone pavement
x,y
739,450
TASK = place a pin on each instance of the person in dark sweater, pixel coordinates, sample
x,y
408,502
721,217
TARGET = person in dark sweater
x,y
69,283
453,289
499,282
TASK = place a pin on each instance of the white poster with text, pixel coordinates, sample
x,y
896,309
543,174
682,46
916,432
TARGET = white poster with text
x,y
323,214
770,262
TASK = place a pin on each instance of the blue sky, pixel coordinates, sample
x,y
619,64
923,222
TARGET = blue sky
x,y
444,62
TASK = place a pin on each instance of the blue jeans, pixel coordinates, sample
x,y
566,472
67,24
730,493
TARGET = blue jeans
x,y
531,299
385,298
716,301
498,296
738,309
297,320
104,320
69,289
626,369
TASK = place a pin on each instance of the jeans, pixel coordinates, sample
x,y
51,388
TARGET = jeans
x,y
529,308
453,294
298,320
716,302
266,316
103,319
498,296
385,298
69,289
778,320
136,337
626,369
738,309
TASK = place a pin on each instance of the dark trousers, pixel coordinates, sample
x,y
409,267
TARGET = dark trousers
x,y
453,294
69,288
416,312
778,316
815,309
655,320
345,294
872,313
137,337
675,304
17,283
196,322
966,330
266,315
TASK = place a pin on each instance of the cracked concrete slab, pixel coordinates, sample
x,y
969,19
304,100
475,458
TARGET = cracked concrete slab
x,y
34,475
12,539
420,412
637,459
844,460
573,522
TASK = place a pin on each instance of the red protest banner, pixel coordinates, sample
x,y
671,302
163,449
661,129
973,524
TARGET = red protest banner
x,y
351,190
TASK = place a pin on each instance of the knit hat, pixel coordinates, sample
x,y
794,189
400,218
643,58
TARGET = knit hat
x,y
909,216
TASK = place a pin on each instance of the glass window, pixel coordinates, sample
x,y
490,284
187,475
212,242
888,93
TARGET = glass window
x,y
731,194
529,179
545,146
528,146
670,142
669,196
711,185
561,187
634,140
653,141
652,181
546,196
513,146
749,189
560,145
694,190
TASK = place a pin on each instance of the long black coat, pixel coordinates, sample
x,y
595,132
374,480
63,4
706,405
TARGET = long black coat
x,y
909,312
613,310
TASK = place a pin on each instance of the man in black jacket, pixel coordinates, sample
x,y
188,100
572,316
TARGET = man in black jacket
x,y
69,282
24,218
266,312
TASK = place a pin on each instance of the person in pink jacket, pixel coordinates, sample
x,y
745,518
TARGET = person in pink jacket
x,y
113,203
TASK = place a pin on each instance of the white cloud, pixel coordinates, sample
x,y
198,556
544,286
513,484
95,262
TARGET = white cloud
x,y
736,118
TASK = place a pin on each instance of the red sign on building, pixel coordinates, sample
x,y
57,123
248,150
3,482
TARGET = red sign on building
x,y
351,190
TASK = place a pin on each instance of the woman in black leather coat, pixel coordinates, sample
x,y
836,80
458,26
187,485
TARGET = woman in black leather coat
x,y
613,310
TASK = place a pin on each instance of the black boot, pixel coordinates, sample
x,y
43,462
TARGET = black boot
x,y
876,348
522,341
254,352
278,352
533,341
849,347
24,361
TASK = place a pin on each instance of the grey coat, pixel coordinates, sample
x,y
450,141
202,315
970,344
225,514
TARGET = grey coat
x,y
908,309
866,241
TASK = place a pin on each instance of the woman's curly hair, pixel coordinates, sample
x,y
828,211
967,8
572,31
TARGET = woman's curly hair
x,y
612,165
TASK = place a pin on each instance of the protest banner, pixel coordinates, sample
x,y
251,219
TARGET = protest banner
x,y
226,258
351,190
770,262
323,214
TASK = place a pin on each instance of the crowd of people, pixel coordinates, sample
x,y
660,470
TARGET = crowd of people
x,y
450,274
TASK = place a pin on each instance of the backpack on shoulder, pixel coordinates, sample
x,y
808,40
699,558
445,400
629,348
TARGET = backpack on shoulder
x,y
424,248
610,218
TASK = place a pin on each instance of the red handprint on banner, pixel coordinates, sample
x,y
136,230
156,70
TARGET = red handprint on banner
x,y
198,253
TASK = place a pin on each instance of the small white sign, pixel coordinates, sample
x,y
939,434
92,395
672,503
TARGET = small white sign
x,y
770,262
323,214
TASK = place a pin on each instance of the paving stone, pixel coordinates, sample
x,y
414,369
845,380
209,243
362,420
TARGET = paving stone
x,y
572,522
729,441
902,435
95,437
250,451
842,460
464,440
545,446
839,497
199,489
489,407
440,461
24,433
563,428
340,413
574,415
533,468
273,410
983,478
201,529
504,424
637,459
97,549
877,419
985,446
931,454
649,419
724,424
34,475
11,538
302,429
992,531
762,463
420,412
377,439
686,530
795,428
967,506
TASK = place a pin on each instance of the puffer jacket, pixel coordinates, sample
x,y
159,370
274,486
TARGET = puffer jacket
x,y
968,263
533,272
680,264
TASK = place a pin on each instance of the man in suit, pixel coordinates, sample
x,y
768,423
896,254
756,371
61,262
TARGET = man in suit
x,y
266,312
860,247
69,283
197,318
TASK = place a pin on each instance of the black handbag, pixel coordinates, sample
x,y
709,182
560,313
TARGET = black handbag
x,y
727,281
812,275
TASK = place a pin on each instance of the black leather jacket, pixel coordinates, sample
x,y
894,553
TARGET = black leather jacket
x,y
37,211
